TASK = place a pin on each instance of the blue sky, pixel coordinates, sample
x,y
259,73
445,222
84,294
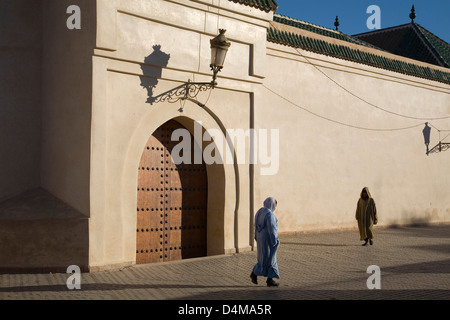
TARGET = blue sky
x,y
433,15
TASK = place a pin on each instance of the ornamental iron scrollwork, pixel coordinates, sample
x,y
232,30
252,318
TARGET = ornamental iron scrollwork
x,y
188,90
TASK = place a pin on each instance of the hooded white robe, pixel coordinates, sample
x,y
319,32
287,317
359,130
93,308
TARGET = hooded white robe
x,y
266,236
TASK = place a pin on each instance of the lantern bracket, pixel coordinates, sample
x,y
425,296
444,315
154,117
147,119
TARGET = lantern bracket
x,y
188,90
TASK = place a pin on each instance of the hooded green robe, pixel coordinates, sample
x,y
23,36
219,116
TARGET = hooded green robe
x,y
366,215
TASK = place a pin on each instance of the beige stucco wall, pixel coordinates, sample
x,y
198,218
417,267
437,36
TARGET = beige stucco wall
x,y
20,96
45,121
40,233
324,165
66,102
122,119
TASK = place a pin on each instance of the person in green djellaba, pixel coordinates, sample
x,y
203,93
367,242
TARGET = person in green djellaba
x,y
366,214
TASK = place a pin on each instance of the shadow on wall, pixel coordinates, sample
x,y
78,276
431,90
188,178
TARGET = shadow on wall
x,y
414,219
152,70
426,135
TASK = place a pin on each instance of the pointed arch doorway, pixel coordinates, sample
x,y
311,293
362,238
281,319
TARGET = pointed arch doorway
x,y
171,202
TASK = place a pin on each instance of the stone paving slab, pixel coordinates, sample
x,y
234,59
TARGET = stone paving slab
x,y
414,264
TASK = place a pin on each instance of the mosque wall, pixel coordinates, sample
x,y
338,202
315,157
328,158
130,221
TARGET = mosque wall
x,y
307,129
344,126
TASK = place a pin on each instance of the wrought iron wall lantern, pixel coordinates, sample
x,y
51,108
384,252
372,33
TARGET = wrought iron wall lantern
x,y
190,90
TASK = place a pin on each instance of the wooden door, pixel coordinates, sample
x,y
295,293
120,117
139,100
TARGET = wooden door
x,y
172,202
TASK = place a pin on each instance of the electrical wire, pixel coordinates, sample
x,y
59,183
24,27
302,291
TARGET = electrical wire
x,y
339,122
445,137
440,130
360,98
368,102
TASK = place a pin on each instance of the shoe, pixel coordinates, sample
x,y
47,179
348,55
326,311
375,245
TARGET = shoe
x,y
371,242
364,244
271,283
254,278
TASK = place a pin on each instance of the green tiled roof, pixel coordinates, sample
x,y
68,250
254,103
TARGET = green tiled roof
x,y
320,30
265,5
412,41
439,46
345,52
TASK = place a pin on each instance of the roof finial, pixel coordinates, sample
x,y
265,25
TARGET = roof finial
x,y
413,14
336,23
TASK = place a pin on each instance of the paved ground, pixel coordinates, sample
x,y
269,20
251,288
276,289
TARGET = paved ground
x,y
414,264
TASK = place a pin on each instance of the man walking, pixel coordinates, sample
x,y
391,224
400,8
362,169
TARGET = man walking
x,y
366,215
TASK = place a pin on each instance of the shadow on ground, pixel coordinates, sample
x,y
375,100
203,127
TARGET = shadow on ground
x,y
235,293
